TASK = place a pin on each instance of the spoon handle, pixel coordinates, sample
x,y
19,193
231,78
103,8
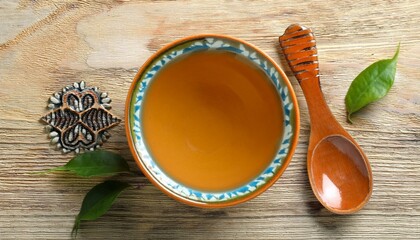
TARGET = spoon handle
x,y
299,47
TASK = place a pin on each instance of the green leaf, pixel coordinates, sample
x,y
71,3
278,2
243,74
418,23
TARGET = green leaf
x,y
96,163
97,201
371,84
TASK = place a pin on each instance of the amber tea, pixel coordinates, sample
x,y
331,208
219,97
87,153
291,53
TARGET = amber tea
x,y
212,120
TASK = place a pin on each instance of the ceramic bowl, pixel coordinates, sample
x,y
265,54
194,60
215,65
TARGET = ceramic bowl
x,y
144,159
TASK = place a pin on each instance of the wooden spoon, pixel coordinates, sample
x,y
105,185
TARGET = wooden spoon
x,y
339,171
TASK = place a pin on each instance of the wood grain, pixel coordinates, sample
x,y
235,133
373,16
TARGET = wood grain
x,y
45,45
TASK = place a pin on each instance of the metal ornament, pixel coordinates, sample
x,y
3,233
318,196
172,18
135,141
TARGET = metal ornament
x,y
79,118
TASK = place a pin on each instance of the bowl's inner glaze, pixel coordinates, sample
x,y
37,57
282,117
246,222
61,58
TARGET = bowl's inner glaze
x,y
269,154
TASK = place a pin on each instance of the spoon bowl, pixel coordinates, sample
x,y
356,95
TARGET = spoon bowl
x,y
338,170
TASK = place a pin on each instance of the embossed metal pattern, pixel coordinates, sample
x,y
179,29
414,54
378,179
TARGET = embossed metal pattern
x,y
79,118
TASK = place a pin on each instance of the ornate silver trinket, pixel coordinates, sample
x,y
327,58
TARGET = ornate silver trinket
x,y
79,118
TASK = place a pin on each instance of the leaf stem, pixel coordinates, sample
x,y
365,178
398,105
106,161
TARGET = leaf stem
x,y
349,119
75,227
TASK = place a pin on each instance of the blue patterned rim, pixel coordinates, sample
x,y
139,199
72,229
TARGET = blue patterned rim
x,y
221,44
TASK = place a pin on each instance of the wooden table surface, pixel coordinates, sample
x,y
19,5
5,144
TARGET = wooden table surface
x,y
45,45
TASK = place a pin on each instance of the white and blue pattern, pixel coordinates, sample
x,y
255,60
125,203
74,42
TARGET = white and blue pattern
x,y
214,44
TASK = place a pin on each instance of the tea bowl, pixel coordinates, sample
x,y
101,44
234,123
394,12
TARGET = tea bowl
x,y
138,142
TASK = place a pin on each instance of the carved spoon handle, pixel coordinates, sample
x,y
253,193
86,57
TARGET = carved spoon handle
x,y
299,47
